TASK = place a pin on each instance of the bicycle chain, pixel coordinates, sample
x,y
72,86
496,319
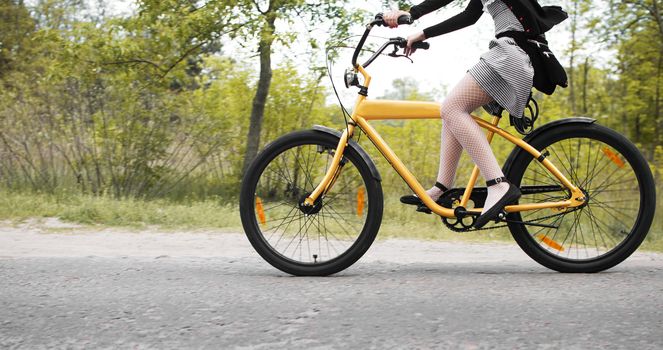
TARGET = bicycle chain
x,y
472,229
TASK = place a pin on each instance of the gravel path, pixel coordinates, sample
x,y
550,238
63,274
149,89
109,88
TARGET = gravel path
x,y
107,289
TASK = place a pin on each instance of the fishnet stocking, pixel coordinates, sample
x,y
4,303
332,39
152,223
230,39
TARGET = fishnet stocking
x,y
460,131
450,151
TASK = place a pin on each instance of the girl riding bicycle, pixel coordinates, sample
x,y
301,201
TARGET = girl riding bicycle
x,y
311,203
502,78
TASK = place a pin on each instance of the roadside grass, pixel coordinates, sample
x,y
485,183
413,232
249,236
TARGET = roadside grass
x,y
130,213
398,221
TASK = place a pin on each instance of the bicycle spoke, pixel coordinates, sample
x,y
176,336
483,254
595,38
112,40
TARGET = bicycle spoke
x,y
599,224
596,227
593,230
332,226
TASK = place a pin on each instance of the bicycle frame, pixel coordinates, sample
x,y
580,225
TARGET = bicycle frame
x,y
366,110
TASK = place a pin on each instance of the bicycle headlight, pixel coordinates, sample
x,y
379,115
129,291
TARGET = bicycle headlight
x,y
351,78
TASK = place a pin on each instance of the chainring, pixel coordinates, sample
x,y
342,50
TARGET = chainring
x,y
451,199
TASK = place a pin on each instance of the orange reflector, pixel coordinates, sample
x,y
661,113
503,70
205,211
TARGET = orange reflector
x,y
361,193
260,211
613,157
552,244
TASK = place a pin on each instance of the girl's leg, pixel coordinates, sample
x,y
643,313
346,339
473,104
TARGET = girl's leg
x,y
450,151
463,130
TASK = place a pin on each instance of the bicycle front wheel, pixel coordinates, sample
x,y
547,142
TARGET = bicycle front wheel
x,y
617,183
303,240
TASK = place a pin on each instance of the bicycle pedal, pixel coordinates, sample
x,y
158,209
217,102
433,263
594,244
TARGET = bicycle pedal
x,y
423,209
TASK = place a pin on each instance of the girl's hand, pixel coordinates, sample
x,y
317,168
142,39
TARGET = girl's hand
x,y
391,17
416,37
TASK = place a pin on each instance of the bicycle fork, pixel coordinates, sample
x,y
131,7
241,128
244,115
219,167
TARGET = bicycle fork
x,y
334,170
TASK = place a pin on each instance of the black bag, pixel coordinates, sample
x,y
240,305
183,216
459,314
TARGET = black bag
x,y
551,73
536,20
548,72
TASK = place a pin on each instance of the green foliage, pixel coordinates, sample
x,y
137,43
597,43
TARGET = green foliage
x,y
16,26
624,93
135,107
146,106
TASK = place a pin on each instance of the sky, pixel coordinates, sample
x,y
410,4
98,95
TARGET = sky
x,y
438,68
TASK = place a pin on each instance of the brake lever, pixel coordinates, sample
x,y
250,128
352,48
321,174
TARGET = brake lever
x,y
395,54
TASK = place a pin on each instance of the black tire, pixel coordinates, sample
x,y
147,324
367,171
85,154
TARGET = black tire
x,y
330,237
620,187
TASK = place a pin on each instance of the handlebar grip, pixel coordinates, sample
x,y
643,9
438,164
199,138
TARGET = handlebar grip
x,y
405,19
421,45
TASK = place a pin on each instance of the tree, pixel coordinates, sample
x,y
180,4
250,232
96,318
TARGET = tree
x,y
639,43
16,26
264,17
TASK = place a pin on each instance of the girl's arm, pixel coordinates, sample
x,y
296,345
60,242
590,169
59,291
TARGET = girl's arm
x,y
427,7
469,16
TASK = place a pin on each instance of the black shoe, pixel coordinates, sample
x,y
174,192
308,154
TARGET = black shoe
x,y
509,197
412,199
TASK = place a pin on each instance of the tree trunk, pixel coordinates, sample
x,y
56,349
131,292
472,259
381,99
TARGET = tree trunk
x,y
584,86
658,123
626,125
260,98
574,25
637,129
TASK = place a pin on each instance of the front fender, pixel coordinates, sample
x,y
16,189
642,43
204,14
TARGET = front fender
x,y
354,145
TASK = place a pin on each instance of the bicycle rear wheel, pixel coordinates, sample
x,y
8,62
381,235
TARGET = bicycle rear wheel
x,y
309,241
619,211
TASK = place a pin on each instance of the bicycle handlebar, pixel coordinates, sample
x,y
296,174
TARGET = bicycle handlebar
x,y
400,42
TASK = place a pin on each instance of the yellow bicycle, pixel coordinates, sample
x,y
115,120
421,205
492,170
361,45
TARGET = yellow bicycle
x,y
311,202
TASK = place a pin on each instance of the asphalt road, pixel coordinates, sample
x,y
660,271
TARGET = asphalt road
x,y
207,290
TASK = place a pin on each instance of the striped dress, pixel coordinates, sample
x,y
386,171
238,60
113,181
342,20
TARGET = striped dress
x,y
505,71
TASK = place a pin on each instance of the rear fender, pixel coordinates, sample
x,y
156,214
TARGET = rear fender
x,y
539,131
